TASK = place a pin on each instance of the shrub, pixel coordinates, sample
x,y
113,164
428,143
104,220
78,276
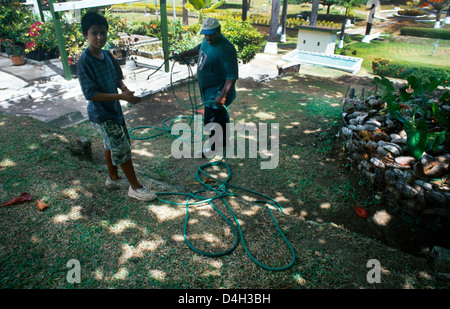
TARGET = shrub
x,y
245,38
410,13
426,32
384,67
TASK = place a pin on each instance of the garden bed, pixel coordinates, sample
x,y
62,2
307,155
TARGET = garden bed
x,y
140,45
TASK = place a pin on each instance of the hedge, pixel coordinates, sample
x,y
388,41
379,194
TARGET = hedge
x,y
426,32
384,67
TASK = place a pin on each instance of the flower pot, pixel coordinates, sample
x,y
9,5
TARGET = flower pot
x,y
121,61
39,56
18,60
31,55
73,70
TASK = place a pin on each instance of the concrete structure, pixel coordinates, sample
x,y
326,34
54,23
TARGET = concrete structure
x,y
315,46
317,39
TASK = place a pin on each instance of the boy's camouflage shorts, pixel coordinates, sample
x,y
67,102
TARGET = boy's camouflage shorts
x,y
115,139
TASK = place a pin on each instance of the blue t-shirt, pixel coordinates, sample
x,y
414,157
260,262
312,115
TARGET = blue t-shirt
x,y
216,64
100,75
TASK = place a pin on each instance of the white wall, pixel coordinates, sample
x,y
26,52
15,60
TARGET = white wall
x,y
316,41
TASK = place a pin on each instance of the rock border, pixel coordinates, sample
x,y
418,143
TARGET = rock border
x,y
376,143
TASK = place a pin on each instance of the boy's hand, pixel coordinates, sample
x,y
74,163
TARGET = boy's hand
x,y
129,96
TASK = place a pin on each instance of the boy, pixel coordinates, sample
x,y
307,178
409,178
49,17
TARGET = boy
x,y
100,76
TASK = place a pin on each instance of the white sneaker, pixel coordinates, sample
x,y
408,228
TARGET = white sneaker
x,y
142,194
121,183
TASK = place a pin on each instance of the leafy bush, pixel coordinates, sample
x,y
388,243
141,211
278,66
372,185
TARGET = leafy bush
x,y
384,67
419,107
410,13
180,37
426,32
15,20
245,38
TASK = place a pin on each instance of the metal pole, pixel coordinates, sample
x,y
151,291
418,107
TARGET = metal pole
x,y
61,43
164,30
174,10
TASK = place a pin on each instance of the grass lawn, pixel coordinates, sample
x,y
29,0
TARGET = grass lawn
x,y
403,49
124,243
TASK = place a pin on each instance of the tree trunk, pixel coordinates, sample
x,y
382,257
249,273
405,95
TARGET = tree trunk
x,y
341,36
437,23
314,12
245,4
271,46
283,21
274,21
185,14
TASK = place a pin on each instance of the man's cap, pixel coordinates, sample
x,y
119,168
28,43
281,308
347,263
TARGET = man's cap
x,y
210,26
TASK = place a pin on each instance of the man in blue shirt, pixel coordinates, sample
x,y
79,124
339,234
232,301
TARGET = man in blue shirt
x,y
217,72
100,75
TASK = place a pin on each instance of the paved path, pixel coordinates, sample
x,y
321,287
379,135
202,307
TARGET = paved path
x,y
40,90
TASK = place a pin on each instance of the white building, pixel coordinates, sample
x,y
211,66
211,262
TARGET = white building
x,y
317,39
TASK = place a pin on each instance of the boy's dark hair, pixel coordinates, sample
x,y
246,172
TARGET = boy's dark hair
x,y
92,18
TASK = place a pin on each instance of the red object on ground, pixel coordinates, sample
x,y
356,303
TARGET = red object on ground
x,y
200,111
24,197
41,205
361,212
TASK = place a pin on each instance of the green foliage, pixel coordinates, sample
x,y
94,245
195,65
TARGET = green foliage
x,y
410,12
417,137
245,38
13,49
417,108
202,7
180,37
443,34
384,67
15,20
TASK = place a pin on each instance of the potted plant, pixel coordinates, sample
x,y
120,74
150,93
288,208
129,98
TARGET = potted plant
x,y
73,54
15,52
123,49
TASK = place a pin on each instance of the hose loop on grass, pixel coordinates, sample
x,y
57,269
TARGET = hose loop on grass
x,y
221,191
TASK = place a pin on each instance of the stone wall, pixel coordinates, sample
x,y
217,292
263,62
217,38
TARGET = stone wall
x,y
376,143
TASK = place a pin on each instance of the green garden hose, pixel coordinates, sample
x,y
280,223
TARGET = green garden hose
x,y
221,191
